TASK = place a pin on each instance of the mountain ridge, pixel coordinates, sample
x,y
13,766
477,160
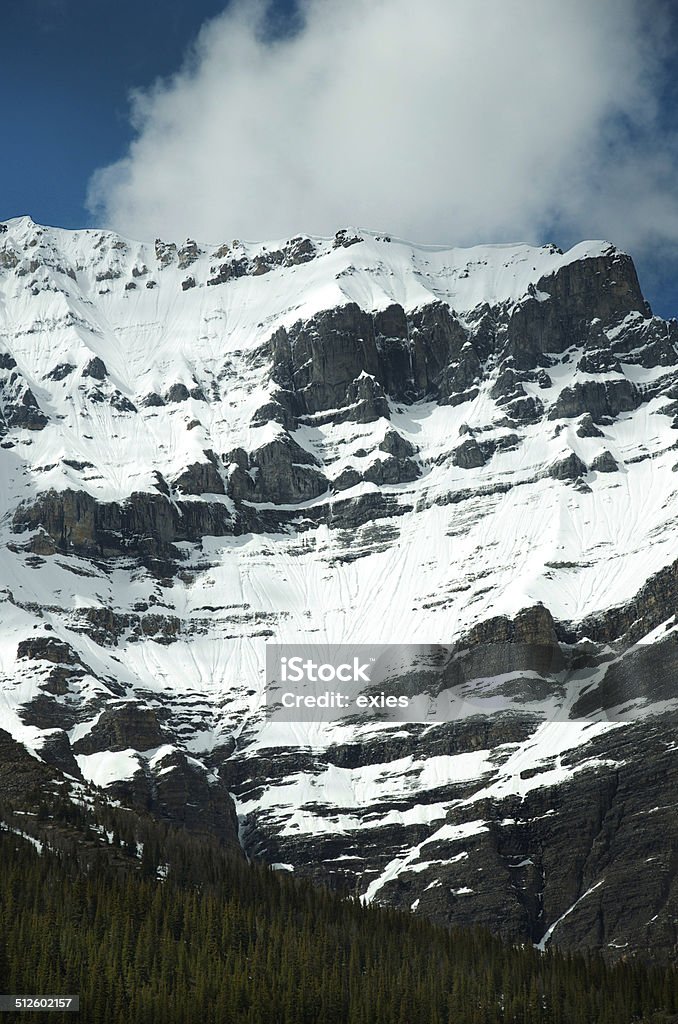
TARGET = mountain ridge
x,y
346,439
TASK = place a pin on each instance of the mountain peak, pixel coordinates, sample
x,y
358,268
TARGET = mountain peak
x,y
208,448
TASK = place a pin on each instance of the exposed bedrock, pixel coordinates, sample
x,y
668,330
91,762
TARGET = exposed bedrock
x,y
145,525
601,400
428,352
604,288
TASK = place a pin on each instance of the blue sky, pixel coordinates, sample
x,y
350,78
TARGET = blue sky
x,y
68,66
450,124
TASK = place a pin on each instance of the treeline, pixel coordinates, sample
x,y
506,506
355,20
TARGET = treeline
x,y
186,934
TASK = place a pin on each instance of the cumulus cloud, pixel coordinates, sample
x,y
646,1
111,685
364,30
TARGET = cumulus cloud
x,y
444,120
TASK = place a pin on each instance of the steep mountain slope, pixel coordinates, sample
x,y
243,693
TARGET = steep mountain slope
x,y
208,448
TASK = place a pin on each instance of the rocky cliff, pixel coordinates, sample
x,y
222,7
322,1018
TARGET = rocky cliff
x,y
205,449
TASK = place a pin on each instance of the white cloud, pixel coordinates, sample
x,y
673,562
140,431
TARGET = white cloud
x,y
450,120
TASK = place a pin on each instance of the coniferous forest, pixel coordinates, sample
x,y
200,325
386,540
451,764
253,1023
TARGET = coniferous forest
x,y
156,925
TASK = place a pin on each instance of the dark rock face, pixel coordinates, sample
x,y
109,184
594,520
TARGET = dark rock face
x,y
105,626
655,603
21,774
61,371
587,427
181,792
391,330
459,377
283,472
236,265
178,393
605,463
509,385
57,752
165,252
188,254
318,361
324,364
276,411
605,287
346,238
509,392
122,403
299,250
602,400
395,444
96,368
474,453
152,400
127,726
347,478
569,468
532,626
18,405
146,525
525,410
366,401
521,882
600,361
469,455
280,471
390,470
428,353
175,788
201,478
437,340
47,648
68,666
27,413
230,271
521,864
518,864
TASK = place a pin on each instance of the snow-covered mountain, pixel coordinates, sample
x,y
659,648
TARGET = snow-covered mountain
x,y
353,439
